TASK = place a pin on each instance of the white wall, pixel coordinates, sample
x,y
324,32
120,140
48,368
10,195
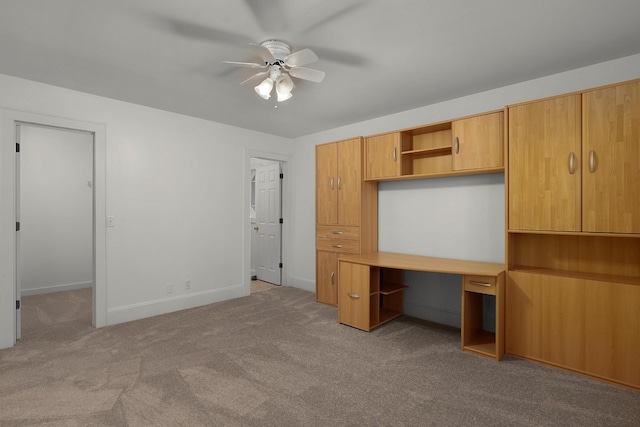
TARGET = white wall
x,y
176,189
56,202
408,231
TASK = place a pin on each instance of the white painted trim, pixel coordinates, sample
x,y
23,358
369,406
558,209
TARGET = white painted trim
x,y
56,288
302,283
146,309
8,120
285,160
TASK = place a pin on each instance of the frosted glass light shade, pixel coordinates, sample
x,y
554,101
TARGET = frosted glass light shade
x,y
264,88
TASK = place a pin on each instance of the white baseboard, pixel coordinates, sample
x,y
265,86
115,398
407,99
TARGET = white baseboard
x,y
168,305
300,283
56,288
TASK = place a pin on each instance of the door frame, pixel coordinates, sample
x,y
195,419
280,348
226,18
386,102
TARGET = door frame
x,y
8,256
285,163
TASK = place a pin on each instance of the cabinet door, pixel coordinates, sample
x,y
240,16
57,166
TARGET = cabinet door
x,y
349,183
478,142
586,325
326,277
611,160
353,295
326,183
544,165
382,156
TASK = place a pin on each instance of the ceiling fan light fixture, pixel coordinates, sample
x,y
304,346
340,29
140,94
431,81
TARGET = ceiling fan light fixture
x,y
264,89
284,86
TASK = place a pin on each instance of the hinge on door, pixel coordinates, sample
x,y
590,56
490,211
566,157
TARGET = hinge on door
x,y
17,147
280,265
17,304
281,220
17,226
281,176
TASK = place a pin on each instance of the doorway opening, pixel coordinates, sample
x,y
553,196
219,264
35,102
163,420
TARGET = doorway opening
x,y
10,300
266,221
54,211
251,202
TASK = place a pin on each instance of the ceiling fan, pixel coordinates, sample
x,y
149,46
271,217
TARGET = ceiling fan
x,y
279,66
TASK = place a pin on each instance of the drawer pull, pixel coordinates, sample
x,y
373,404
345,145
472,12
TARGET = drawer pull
x,y
354,296
572,167
336,232
336,246
473,282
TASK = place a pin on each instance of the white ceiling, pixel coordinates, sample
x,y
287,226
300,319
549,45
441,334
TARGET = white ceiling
x,y
380,56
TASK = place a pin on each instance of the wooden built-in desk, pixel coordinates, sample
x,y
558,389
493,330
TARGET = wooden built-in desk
x,y
370,294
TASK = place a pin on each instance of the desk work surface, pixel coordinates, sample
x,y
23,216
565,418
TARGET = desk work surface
x,y
424,263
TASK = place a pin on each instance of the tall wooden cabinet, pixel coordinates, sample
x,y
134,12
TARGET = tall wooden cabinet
x,y
346,212
573,238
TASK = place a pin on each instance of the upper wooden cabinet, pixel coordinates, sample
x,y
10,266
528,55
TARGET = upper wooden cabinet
x,y
382,156
478,142
469,145
338,182
574,162
611,159
544,165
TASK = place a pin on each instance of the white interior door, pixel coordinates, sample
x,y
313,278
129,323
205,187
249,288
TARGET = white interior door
x,y
268,214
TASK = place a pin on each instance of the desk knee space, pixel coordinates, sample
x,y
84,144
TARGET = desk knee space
x,y
370,294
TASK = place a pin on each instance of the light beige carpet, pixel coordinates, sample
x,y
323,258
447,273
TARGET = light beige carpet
x,y
277,358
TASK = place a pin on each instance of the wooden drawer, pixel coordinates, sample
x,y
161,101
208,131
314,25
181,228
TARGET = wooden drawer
x,y
480,284
337,232
338,245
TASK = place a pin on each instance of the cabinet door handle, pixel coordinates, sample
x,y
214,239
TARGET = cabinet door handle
x,y
339,183
332,183
336,232
333,274
395,154
336,246
473,282
572,166
592,161
354,296
457,145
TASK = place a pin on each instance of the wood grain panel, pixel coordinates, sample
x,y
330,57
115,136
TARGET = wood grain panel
x,y
326,183
480,142
327,277
349,181
586,326
543,194
379,160
611,189
353,295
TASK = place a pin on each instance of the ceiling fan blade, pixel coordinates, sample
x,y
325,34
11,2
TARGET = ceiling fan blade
x,y
265,54
264,73
196,31
307,74
324,16
300,58
268,14
246,64
341,56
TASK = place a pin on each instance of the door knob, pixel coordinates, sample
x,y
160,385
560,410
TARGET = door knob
x,y
256,228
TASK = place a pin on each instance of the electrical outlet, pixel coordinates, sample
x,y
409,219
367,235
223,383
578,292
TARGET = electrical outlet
x,y
169,288
187,285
